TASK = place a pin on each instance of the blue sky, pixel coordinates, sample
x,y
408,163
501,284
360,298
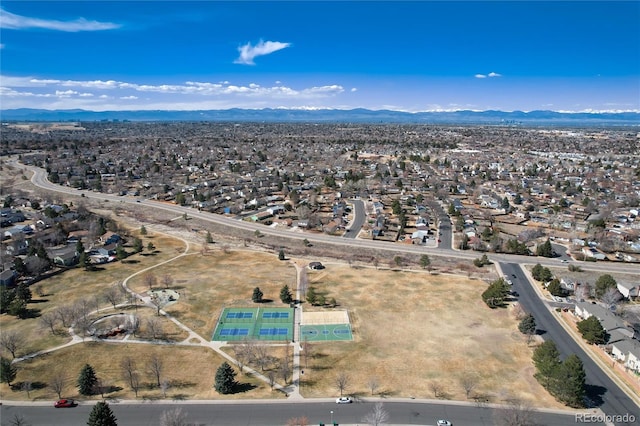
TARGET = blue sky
x,y
409,56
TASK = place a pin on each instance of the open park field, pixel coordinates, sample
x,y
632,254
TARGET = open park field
x,y
415,334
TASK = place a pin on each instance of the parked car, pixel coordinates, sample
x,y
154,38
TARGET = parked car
x,y
444,423
65,403
344,400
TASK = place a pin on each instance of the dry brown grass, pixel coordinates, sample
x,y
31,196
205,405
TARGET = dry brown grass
x,y
188,379
413,329
74,285
207,284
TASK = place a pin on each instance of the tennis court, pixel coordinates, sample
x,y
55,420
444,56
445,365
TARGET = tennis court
x,y
254,323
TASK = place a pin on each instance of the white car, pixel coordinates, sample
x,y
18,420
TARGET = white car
x,y
444,423
344,400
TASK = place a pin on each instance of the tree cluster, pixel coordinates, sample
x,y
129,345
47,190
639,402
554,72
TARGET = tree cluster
x,y
495,295
482,261
565,380
541,273
545,249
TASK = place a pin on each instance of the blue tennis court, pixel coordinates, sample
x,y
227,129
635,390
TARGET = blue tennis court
x,y
236,324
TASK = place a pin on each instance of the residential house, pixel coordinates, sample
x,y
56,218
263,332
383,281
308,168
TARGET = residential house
x,y
66,256
612,324
629,290
8,277
628,352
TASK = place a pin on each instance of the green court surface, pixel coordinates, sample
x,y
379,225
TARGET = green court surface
x,y
325,332
236,324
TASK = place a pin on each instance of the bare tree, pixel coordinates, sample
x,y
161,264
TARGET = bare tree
x,y
12,341
27,386
611,297
156,366
154,326
468,382
58,382
271,375
306,351
173,417
112,295
128,367
65,315
18,420
132,324
158,302
167,280
261,355
284,369
377,416
164,386
436,388
135,383
582,291
373,384
150,280
515,413
342,382
49,320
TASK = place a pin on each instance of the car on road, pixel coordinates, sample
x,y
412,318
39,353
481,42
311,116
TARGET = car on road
x,y
444,423
65,403
344,400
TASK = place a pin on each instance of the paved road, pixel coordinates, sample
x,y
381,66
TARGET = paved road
x,y
277,413
604,393
359,216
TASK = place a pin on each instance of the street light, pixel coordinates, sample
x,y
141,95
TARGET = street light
x,y
332,418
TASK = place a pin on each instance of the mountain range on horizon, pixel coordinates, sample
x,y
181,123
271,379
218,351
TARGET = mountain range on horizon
x,y
358,115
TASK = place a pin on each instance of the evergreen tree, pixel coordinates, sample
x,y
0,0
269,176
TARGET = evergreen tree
x,y
555,288
225,379
546,358
257,295
604,283
209,238
137,245
101,415
592,331
281,255
312,296
23,293
143,230
536,272
495,294
19,266
87,380
545,249
6,298
569,382
7,371
527,325
285,294
425,261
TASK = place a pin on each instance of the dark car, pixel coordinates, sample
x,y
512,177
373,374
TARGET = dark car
x,y
65,403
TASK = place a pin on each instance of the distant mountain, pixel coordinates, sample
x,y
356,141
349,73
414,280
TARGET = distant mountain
x,y
333,116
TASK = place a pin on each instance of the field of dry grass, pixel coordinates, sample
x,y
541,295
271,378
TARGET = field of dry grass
x,y
414,330
187,380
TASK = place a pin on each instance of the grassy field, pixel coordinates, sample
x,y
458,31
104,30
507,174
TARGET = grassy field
x,y
413,331
192,379
209,283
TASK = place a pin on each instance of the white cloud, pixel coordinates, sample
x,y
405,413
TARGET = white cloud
x,y
65,93
128,98
12,21
249,52
354,89
490,75
1,45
